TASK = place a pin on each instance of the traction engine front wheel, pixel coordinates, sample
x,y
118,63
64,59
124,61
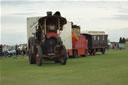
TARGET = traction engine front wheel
x,y
63,57
39,56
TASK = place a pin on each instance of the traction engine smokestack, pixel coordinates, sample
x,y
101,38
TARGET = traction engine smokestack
x,y
49,13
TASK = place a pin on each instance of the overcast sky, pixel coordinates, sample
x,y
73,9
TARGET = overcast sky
x,y
111,17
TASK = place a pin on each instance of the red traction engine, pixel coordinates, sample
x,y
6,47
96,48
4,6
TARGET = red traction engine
x,y
46,43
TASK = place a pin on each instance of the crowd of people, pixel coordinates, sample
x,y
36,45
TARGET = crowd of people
x,y
115,45
6,50
14,50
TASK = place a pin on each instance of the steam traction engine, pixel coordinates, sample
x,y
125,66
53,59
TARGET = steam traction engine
x,y
43,39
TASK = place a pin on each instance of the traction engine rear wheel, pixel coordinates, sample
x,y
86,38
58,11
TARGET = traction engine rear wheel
x,y
31,51
31,57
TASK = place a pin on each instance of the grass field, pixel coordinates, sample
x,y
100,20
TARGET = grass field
x,y
108,69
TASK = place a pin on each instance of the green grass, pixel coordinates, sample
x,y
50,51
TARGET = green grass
x,y
108,69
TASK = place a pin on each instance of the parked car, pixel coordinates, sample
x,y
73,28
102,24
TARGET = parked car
x,y
121,46
11,51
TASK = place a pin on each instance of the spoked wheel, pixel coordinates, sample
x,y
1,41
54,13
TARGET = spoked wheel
x,y
31,51
39,56
56,60
90,53
86,53
94,52
62,60
75,54
32,59
103,51
63,57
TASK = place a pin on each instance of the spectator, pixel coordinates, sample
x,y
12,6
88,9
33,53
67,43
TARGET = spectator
x,y
23,50
1,50
16,48
113,45
121,46
5,50
26,50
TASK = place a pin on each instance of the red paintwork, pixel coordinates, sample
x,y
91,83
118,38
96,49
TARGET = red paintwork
x,y
81,43
81,51
69,51
52,34
73,41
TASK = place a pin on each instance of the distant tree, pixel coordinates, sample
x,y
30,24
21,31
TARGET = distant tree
x,y
121,40
126,39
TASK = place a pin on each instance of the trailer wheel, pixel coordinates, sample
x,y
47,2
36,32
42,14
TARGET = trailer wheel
x,y
103,51
94,52
39,56
75,53
63,57
90,53
86,53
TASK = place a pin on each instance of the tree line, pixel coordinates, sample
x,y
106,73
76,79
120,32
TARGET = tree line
x,y
123,40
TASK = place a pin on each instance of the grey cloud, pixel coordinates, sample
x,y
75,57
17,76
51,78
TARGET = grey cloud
x,y
114,35
71,10
12,19
124,11
123,8
11,38
121,17
27,13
